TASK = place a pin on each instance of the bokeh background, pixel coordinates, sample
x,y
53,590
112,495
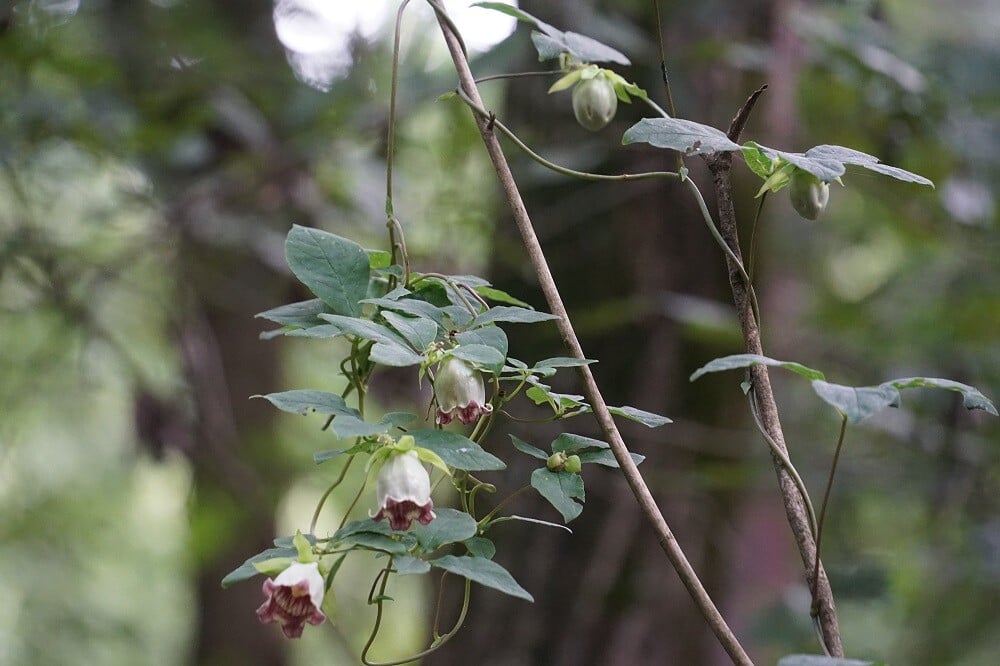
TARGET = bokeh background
x,y
153,154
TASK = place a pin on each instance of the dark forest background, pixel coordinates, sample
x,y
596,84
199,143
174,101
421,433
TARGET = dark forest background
x,y
153,154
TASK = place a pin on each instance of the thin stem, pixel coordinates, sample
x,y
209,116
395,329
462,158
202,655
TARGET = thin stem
x,y
631,473
506,500
517,75
826,499
783,457
437,608
663,60
717,235
391,138
583,175
753,236
666,79
438,643
354,503
333,486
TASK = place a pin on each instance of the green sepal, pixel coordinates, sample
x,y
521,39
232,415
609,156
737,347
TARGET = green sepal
x,y
273,566
303,547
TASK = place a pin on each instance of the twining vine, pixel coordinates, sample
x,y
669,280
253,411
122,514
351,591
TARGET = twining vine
x,y
447,330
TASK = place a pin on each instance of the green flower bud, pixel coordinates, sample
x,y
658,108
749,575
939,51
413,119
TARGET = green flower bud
x,y
556,462
573,464
808,194
594,103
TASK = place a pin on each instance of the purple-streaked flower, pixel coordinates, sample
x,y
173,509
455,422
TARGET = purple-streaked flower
x,y
460,393
403,491
293,598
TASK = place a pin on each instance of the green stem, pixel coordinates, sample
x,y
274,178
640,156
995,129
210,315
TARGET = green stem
x,y
573,173
753,235
517,75
782,457
717,235
333,486
826,499
484,522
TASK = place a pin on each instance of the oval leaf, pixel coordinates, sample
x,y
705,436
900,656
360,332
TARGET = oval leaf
x,y
457,451
971,397
483,571
737,361
334,268
561,489
859,403
448,526
685,136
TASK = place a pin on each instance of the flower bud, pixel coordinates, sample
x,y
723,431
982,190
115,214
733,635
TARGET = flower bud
x,y
556,462
808,194
403,491
573,464
293,598
594,103
460,393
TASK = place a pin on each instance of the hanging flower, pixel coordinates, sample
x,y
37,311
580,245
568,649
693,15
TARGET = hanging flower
x,y
403,491
460,393
809,195
294,598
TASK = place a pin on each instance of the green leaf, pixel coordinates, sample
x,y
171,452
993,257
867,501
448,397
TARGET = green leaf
x,y
758,160
866,161
524,447
379,259
483,571
570,443
513,315
303,314
537,521
971,397
564,362
448,526
819,660
348,426
606,458
486,357
305,401
457,451
824,168
335,269
561,489
746,360
247,570
552,43
685,136
365,329
648,419
859,403
394,355
374,536
420,333
500,296
408,565
541,394
323,331
511,10
480,546
491,336
411,306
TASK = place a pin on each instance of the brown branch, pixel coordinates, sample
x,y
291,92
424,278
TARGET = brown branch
x,y
635,481
823,604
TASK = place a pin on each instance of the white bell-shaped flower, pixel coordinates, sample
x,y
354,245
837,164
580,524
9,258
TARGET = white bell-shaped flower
x,y
293,598
460,393
403,491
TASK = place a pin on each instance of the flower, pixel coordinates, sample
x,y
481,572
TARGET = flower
x,y
459,390
403,491
595,103
808,194
293,598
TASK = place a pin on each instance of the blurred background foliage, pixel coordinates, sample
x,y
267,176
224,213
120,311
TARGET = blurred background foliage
x,y
153,155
